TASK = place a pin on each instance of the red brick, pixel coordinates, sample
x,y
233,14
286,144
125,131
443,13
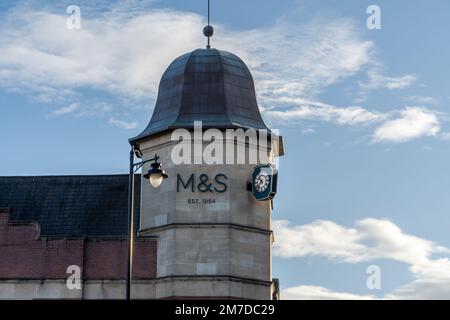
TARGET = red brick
x,y
24,255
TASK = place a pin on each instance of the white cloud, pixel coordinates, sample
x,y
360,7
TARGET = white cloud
x,y
377,80
400,82
422,100
122,124
319,293
303,61
80,110
368,240
395,126
39,54
413,123
427,286
319,238
312,110
66,110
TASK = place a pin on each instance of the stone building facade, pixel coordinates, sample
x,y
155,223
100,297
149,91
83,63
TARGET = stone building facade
x,y
201,234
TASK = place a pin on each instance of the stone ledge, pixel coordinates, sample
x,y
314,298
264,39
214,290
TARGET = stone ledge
x,y
215,277
205,225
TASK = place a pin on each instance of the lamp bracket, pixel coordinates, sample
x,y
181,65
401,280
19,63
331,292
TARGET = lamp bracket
x,y
139,165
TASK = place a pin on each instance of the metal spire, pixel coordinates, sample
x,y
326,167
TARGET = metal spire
x,y
208,31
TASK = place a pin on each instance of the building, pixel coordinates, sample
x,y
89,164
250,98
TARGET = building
x,y
201,234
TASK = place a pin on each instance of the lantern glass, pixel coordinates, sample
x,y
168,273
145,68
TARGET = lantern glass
x,y
156,179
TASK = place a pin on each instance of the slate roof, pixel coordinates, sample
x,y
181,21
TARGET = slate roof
x,y
71,206
210,85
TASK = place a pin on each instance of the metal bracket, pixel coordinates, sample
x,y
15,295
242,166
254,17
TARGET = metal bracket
x,y
139,165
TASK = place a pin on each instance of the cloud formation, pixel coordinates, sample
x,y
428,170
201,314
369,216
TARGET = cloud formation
x,y
122,124
39,53
65,110
40,56
301,62
412,123
377,80
369,240
393,127
313,110
320,293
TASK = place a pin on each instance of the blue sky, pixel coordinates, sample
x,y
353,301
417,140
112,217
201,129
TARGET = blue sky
x,y
364,114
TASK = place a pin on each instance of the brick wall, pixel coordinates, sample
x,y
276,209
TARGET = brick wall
x,y
25,255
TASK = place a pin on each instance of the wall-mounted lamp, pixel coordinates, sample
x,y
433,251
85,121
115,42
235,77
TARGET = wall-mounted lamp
x,y
155,175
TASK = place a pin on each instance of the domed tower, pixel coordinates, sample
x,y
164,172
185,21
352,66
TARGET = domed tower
x,y
207,85
213,227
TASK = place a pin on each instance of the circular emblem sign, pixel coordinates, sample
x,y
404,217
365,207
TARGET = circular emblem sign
x,y
264,182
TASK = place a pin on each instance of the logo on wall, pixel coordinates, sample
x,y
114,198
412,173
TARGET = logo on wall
x,y
264,182
202,183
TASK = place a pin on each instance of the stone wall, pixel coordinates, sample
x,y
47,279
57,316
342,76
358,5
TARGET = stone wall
x,y
211,243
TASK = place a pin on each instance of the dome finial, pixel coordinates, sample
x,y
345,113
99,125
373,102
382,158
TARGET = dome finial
x,y
208,31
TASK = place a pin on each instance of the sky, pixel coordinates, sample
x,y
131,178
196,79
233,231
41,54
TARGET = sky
x,y
364,113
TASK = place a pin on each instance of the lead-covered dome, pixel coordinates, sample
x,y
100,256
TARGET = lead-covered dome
x,y
207,85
